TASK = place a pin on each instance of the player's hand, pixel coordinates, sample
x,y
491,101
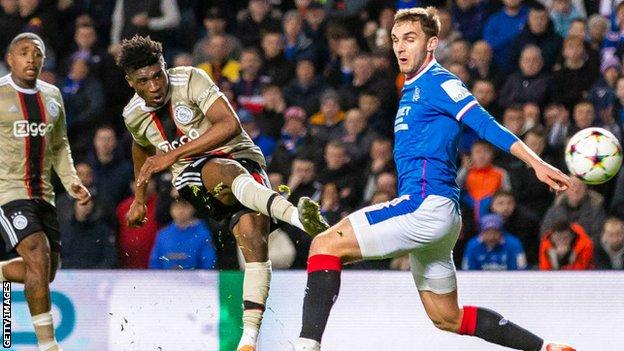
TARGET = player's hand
x,y
136,215
551,176
82,195
153,165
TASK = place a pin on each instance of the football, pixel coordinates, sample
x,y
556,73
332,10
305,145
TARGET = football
x,y
594,155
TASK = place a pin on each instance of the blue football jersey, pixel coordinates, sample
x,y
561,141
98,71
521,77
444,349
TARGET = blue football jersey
x,y
427,131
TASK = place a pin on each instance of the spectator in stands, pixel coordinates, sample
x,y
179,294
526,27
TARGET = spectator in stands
x,y
469,17
10,23
365,78
111,171
355,136
566,246
337,170
219,64
381,161
265,143
577,204
446,38
502,27
255,21
183,59
276,66
481,66
328,120
378,120
331,208
248,87
314,27
377,33
136,243
583,115
481,179
485,93
386,182
295,140
609,252
85,40
84,104
303,180
577,74
462,72
557,123
493,249
88,239
214,24
38,18
532,115
602,93
597,28
460,52
530,83
513,119
156,18
306,88
186,243
297,44
271,119
539,31
520,221
563,12
522,177
339,72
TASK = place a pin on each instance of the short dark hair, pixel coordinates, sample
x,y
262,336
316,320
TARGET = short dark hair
x,y
139,52
503,192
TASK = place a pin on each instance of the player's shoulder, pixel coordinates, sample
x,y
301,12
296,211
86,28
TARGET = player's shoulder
x,y
445,84
133,107
48,89
184,74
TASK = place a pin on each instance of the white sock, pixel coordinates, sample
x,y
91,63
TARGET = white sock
x,y
304,344
249,337
44,329
256,196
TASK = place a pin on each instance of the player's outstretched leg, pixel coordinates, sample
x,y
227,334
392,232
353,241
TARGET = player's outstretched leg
x,y
35,251
258,197
328,252
483,323
251,234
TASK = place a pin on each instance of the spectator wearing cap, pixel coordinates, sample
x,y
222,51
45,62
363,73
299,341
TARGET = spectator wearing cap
x,y
215,24
493,249
219,63
609,252
328,119
520,221
306,88
529,83
502,27
294,141
602,93
248,122
541,32
578,204
566,246
276,66
254,21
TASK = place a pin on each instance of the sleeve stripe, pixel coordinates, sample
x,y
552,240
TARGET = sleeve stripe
x,y
465,109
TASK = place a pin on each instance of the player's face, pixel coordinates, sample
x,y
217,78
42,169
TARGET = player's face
x,y
150,83
25,59
411,46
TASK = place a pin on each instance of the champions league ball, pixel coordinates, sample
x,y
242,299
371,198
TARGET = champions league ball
x,y
594,155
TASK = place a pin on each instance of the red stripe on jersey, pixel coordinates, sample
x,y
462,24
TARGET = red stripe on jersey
x,y
178,131
44,119
27,144
159,125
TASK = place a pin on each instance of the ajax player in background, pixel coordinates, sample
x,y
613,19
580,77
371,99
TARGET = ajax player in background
x,y
181,121
425,220
33,137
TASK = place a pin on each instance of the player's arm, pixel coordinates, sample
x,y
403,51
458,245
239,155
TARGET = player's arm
x,y
138,208
63,163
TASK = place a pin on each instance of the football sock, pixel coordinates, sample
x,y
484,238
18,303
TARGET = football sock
x,y
44,330
255,293
492,327
257,197
321,293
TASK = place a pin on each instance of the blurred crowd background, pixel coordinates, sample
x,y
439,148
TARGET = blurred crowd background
x,y
316,86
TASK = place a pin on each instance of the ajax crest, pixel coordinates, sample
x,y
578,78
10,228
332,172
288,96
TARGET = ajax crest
x,y
183,114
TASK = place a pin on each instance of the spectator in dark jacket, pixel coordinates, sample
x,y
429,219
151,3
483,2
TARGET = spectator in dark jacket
x,y
529,84
539,31
609,252
271,119
520,221
279,69
337,169
306,88
355,136
469,17
256,20
298,46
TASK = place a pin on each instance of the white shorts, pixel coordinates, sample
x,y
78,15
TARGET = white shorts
x,y
426,229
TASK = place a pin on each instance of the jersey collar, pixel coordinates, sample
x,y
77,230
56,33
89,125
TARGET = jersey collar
x,y
423,71
146,108
34,90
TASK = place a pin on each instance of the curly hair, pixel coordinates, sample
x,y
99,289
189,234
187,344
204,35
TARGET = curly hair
x,y
139,52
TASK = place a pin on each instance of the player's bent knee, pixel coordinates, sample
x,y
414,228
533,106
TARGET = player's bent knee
x,y
324,244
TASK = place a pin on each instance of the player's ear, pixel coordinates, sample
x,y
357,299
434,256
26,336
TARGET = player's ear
x,y
129,80
432,44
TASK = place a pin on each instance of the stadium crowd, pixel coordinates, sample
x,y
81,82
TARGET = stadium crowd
x,y
315,84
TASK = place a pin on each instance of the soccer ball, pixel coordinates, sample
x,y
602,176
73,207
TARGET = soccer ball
x,y
594,155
